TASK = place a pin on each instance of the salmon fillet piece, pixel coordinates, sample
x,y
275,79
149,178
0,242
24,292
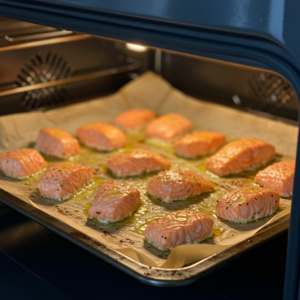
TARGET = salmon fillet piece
x,y
175,185
168,127
136,162
239,156
57,142
200,143
114,202
101,136
247,204
278,177
21,163
179,228
64,180
133,119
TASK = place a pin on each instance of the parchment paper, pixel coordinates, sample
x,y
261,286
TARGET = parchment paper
x,y
148,91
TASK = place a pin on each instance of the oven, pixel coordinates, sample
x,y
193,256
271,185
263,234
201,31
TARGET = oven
x,y
59,53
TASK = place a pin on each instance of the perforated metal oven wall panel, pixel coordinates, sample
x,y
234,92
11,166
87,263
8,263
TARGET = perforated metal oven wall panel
x,y
83,59
230,84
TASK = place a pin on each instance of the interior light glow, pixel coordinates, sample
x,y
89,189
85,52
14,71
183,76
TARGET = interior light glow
x,y
136,48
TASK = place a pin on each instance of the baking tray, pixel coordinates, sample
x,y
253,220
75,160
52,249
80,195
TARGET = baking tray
x,y
128,97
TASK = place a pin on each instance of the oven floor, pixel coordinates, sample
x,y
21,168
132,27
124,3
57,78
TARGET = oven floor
x,y
40,261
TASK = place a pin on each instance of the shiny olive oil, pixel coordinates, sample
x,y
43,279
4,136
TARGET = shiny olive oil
x,y
150,208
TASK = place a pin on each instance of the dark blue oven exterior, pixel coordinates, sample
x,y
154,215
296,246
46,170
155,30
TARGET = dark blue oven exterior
x,y
254,33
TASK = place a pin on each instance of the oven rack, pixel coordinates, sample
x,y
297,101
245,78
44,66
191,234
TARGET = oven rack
x,y
73,79
17,35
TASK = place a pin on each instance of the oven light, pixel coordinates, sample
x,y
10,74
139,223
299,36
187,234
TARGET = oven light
x,y
236,99
136,48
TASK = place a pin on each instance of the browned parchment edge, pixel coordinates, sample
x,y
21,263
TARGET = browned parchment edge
x,y
146,274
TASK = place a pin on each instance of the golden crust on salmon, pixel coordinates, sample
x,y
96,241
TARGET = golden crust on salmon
x,y
21,163
114,202
168,127
136,162
240,155
101,136
278,177
179,228
200,143
247,204
134,119
57,142
64,180
173,185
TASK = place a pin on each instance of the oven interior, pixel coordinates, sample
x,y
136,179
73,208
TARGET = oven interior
x,y
42,68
